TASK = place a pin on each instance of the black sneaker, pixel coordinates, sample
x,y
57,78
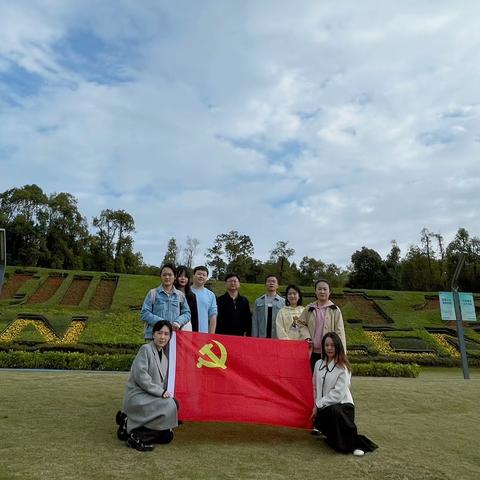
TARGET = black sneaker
x,y
121,420
134,442
122,433
120,417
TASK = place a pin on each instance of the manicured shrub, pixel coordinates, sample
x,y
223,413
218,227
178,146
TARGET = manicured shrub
x,y
65,361
386,370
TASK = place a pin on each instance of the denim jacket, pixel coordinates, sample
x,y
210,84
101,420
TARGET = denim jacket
x,y
259,318
158,305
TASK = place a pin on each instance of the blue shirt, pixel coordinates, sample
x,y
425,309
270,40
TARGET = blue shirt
x,y
206,306
159,305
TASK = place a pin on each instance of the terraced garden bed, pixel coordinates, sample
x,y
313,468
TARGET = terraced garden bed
x,y
358,306
103,296
47,289
13,284
76,290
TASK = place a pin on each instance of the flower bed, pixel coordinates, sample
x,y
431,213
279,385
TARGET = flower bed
x,y
47,289
76,290
17,326
103,296
13,284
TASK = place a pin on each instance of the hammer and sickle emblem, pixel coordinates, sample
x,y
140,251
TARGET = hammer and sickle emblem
x,y
214,361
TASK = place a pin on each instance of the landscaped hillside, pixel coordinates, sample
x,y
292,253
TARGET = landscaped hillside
x,y
43,309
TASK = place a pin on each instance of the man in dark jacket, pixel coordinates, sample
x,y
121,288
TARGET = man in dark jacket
x,y
234,315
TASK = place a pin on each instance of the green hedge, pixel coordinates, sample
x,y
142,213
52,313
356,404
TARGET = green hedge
x,y
118,362
65,361
90,349
386,370
421,359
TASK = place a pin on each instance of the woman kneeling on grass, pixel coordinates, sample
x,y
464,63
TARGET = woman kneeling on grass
x,y
149,411
334,413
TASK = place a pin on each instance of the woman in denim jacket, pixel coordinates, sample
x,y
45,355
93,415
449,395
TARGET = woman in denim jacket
x,y
165,303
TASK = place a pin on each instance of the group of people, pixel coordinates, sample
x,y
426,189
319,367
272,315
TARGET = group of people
x,y
150,413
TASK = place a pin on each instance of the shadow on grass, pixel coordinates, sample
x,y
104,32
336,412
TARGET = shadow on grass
x,y
221,433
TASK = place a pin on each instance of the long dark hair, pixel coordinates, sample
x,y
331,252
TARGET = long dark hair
x,y
340,355
183,270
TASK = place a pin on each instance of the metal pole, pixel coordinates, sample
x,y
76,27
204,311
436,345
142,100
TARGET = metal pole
x,y
458,317
3,256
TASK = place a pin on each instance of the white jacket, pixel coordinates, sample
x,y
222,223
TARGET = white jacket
x,y
331,384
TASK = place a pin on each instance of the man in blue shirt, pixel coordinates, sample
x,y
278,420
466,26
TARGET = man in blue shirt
x,y
206,301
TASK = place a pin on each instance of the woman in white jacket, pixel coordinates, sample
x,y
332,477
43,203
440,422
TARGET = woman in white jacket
x,y
334,412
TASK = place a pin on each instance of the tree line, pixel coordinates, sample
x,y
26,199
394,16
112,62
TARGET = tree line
x,y
49,231
428,266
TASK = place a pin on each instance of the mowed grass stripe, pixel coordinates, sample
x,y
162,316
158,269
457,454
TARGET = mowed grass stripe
x,y
57,425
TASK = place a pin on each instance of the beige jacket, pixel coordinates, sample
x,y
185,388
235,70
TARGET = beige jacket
x,y
285,328
333,322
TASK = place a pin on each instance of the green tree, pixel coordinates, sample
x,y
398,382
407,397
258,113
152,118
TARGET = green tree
x,y
415,270
113,242
23,213
215,261
392,270
469,279
171,255
66,235
279,256
367,266
310,270
230,251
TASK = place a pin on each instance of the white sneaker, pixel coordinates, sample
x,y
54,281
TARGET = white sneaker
x,y
358,453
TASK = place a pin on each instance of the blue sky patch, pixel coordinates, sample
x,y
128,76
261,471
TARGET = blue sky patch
x,y
97,60
19,81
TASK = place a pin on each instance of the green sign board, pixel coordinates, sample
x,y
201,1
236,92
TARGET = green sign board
x,y
467,306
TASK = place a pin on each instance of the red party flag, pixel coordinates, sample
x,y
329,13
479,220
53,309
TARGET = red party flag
x,y
228,378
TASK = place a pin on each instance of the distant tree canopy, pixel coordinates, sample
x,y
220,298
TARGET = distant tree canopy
x,y
425,267
49,231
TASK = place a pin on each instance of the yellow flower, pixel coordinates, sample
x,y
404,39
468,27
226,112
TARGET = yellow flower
x,y
74,331
441,340
384,348
71,335
382,345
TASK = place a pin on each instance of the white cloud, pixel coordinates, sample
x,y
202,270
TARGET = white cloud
x,y
329,125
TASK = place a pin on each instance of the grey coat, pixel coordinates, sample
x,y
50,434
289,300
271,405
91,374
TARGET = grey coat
x,y
259,319
143,402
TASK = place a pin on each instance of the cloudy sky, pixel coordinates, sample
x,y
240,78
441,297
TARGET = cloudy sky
x,y
332,125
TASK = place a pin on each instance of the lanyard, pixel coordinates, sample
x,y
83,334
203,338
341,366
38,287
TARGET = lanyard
x,y
325,376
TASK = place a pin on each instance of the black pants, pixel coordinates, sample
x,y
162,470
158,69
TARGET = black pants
x,y
337,423
149,436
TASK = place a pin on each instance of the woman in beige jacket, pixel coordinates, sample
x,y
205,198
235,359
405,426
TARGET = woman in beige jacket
x,y
288,327
321,317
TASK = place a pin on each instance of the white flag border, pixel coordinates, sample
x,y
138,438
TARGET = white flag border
x,y
172,363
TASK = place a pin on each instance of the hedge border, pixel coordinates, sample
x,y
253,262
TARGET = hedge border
x,y
122,362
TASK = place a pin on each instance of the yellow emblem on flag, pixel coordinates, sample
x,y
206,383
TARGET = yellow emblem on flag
x,y
214,361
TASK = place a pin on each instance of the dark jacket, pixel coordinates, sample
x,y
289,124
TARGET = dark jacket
x,y
234,316
192,303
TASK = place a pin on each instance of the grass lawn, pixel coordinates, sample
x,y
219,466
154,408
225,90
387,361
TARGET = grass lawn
x,y
60,425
